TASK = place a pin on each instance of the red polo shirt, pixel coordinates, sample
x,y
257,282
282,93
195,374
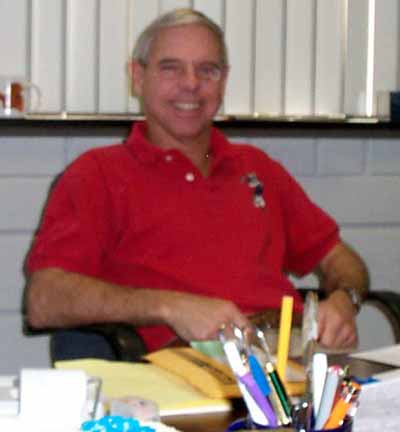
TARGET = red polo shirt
x,y
136,215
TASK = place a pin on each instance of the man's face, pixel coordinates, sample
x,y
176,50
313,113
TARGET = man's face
x,y
183,82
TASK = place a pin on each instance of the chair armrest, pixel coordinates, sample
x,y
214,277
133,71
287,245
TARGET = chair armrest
x,y
124,340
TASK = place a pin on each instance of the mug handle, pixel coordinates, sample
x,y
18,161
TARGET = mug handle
x,y
29,84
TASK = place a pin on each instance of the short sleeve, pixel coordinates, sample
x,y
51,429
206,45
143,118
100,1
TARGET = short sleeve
x,y
74,230
310,232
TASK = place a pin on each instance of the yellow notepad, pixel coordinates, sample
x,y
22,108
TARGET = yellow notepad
x,y
172,394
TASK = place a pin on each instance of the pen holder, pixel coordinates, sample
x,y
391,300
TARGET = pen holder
x,y
246,424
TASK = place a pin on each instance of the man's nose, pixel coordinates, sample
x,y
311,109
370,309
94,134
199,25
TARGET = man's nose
x,y
190,78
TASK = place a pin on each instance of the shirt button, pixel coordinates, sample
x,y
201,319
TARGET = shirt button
x,y
189,177
168,158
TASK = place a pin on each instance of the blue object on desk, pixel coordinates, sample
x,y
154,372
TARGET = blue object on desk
x,y
362,381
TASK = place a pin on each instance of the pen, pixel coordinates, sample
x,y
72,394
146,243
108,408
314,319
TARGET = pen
x,y
277,388
348,396
268,390
333,377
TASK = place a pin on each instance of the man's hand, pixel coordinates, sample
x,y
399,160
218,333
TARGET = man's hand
x,y
196,317
342,267
336,321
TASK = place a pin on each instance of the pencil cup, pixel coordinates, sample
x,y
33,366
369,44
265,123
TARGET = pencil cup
x,y
246,424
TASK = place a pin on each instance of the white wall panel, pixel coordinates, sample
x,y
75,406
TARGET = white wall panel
x,y
82,56
47,47
167,5
356,58
21,351
113,56
25,198
386,64
357,199
239,35
329,61
212,8
299,57
140,15
13,37
269,56
13,249
31,155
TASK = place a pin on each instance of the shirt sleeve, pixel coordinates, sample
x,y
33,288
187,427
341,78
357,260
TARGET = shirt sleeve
x,y
74,233
310,232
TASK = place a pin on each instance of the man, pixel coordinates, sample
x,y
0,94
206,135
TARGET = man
x,y
177,231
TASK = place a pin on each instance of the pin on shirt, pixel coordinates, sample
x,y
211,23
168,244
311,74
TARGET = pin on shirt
x,y
255,184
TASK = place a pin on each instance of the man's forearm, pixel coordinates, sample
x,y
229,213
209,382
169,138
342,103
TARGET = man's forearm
x,y
342,268
56,298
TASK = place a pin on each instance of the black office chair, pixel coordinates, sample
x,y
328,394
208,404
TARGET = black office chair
x,y
111,341
117,342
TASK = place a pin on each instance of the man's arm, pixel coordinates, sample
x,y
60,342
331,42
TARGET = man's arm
x,y
340,269
56,298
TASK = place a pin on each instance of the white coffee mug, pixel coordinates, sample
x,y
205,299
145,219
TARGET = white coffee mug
x,y
15,96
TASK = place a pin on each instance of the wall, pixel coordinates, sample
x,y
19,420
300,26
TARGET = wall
x,y
355,176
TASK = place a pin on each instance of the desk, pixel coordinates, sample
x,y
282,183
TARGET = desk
x,y
218,422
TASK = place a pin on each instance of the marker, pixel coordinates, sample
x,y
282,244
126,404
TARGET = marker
x,y
285,326
333,376
259,408
319,371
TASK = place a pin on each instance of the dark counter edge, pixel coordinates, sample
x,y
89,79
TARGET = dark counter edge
x,y
349,126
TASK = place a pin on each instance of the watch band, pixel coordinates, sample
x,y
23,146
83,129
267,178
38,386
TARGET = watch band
x,y
354,296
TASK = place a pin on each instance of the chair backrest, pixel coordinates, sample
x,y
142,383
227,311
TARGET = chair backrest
x,y
379,320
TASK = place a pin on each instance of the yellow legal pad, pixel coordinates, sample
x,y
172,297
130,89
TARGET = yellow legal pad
x,y
172,393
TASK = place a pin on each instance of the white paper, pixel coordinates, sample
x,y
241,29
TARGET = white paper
x,y
379,408
388,355
53,397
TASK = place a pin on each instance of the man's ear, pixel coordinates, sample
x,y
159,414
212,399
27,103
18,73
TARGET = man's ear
x,y
136,73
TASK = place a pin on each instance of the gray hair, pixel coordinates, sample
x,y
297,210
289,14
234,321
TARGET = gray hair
x,y
176,18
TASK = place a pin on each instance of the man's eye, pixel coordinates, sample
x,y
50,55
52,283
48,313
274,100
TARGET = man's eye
x,y
210,72
169,67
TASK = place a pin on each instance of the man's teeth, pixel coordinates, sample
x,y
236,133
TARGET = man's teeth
x,y
187,106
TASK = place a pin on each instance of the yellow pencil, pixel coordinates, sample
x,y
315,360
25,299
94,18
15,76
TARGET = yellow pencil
x,y
285,327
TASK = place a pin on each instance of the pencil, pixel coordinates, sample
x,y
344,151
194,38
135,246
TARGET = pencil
x,y
285,326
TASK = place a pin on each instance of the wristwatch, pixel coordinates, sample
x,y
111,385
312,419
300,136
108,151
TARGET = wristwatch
x,y
354,296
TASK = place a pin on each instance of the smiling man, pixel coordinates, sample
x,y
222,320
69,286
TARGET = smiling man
x,y
177,231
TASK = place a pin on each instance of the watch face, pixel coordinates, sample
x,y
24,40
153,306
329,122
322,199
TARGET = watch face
x,y
354,297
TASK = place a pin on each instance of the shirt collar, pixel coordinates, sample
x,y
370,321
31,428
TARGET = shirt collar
x,y
146,152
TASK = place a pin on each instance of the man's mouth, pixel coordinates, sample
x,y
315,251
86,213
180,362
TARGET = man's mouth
x,y
187,106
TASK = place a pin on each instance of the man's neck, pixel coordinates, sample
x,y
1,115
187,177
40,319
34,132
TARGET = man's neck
x,y
196,149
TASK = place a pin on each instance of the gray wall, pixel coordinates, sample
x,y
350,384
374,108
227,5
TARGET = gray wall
x,y
354,175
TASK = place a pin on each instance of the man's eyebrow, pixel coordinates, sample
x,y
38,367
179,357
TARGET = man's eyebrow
x,y
169,60
176,60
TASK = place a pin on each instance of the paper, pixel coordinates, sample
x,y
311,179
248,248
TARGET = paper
x,y
49,396
387,355
148,381
379,406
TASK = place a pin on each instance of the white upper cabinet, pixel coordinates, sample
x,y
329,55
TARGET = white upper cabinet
x,y
293,57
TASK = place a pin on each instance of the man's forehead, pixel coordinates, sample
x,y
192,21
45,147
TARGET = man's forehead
x,y
182,40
